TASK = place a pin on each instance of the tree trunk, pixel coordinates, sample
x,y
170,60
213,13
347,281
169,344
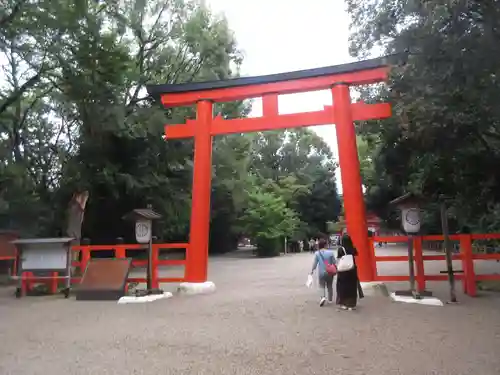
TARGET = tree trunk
x,y
76,210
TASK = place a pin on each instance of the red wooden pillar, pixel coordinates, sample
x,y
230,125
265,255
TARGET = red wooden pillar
x,y
53,283
85,259
354,205
155,260
197,253
419,263
120,252
469,283
371,243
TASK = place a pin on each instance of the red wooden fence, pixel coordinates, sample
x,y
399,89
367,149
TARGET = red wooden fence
x,y
468,277
120,251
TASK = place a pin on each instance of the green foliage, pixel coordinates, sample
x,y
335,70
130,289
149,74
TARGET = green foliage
x,y
335,227
299,166
268,220
444,136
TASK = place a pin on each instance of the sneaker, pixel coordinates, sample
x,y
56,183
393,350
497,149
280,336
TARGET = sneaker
x,y
341,307
351,308
322,302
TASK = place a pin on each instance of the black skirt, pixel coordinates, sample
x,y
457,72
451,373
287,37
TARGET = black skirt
x,y
347,288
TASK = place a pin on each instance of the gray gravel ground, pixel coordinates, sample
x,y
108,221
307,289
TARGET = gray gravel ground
x,y
262,320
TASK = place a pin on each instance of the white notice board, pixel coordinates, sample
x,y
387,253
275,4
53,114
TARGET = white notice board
x,y
44,257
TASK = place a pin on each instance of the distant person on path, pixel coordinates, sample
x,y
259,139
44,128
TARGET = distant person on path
x,y
347,281
312,245
325,280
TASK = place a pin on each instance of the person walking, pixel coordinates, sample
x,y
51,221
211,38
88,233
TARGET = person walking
x,y
312,246
324,261
348,284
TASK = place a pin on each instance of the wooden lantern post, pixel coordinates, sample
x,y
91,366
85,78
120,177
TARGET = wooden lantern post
x,y
408,204
143,218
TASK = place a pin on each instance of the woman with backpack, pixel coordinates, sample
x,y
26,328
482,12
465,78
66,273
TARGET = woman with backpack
x,y
324,260
348,285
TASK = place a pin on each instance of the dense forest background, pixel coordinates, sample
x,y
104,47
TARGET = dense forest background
x,y
75,116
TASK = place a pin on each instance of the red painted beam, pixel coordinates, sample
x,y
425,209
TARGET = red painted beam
x,y
180,131
487,277
486,256
392,258
361,112
487,236
392,278
229,94
162,262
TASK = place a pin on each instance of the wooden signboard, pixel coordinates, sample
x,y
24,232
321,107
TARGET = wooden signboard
x,y
104,280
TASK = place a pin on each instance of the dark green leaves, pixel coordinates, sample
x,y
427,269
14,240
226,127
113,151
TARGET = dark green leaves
x,y
443,137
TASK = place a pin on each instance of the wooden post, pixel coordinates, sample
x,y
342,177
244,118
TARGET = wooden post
x,y
120,252
354,205
419,264
468,265
447,249
85,259
53,283
372,257
155,256
411,267
197,253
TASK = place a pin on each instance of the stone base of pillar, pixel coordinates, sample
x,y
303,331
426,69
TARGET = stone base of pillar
x,y
430,301
144,299
375,289
196,288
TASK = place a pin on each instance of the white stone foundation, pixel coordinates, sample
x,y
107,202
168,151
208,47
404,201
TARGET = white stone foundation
x,y
374,289
196,288
144,299
430,301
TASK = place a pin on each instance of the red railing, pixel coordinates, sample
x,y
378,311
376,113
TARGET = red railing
x,y
468,277
12,258
466,255
120,251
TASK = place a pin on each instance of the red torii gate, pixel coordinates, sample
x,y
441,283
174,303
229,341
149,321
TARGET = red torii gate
x,y
336,78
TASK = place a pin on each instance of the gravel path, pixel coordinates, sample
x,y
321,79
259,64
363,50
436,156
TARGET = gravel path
x,y
262,320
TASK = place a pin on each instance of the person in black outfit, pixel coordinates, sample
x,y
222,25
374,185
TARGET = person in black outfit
x,y
347,282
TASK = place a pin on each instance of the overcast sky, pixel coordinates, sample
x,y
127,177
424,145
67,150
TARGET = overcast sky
x,y
285,35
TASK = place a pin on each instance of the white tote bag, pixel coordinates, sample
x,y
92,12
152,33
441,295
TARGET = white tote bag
x,y
309,281
346,262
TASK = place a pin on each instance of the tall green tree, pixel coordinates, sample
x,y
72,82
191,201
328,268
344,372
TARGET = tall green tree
x,y
77,115
268,220
445,121
229,198
300,165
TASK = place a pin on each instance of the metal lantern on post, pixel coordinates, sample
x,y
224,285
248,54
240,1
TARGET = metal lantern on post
x,y
408,204
143,218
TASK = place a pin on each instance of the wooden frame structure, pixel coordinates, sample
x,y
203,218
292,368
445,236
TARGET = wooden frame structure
x,y
337,78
